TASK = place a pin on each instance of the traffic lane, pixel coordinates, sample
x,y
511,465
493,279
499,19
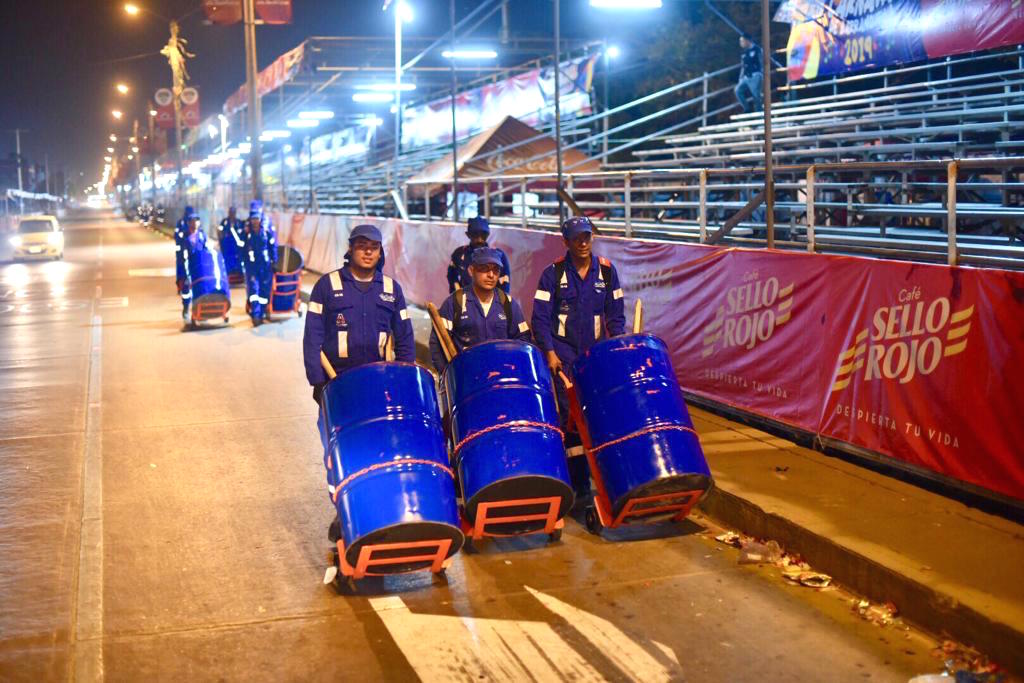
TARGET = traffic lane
x,y
44,341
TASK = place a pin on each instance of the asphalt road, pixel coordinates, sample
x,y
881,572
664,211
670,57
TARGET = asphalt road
x,y
163,517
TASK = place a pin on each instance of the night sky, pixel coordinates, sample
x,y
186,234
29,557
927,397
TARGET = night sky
x,y
62,58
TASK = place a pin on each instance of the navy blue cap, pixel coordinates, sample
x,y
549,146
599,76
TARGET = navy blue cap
x,y
485,255
478,224
576,226
366,230
190,212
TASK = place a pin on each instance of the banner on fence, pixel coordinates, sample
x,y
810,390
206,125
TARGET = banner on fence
x,y
829,37
529,97
918,362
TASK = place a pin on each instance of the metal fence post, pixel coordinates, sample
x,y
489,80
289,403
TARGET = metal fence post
x,y
627,187
405,197
951,173
810,208
426,201
703,199
704,106
487,199
522,200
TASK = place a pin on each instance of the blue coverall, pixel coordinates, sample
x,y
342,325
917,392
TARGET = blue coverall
x,y
474,327
569,316
232,244
462,258
183,248
259,255
351,322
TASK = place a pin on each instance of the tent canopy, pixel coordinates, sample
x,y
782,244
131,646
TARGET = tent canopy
x,y
509,162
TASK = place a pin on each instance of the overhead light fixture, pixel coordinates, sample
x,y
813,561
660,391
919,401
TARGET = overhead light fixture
x,y
317,115
613,51
371,121
385,87
244,147
117,114
626,4
113,138
372,97
469,54
211,130
404,11
302,123
152,112
110,149
268,135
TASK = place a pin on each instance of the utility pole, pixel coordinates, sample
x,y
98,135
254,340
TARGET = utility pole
x,y
254,104
558,113
176,54
137,153
455,143
769,176
398,88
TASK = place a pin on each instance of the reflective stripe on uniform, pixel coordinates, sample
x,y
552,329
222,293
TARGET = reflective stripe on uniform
x,y
335,281
316,307
565,279
389,285
542,295
447,323
503,279
597,327
562,318
404,315
186,295
342,344
600,274
617,294
382,340
524,326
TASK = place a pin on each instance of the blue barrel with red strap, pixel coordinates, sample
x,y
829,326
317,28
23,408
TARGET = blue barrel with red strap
x,y
209,279
389,461
506,440
284,290
641,433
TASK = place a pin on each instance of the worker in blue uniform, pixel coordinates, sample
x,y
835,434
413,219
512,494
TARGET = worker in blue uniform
x,y
470,314
578,303
353,314
259,254
478,231
267,222
232,242
187,234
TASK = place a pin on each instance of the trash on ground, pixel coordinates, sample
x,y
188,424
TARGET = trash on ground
x,y
807,578
966,665
879,614
755,552
730,538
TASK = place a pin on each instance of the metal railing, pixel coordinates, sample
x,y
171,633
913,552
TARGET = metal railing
x,y
887,209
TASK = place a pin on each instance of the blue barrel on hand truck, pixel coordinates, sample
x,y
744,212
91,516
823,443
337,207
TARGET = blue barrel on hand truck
x,y
506,442
388,471
287,279
644,454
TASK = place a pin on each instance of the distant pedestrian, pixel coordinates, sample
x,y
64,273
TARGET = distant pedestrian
x,y
748,89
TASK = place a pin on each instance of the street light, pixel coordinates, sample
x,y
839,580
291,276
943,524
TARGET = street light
x,y
110,149
469,54
317,115
373,97
626,4
116,113
152,112
122,88
131,9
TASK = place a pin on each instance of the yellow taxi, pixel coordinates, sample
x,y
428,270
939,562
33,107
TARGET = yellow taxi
x,y
38,237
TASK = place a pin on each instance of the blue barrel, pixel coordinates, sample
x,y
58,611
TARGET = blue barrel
x,y
287,275
232,256
505,431
387,445
210,288
638,421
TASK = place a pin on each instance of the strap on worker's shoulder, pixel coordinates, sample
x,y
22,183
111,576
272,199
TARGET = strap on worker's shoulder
x,y
506,303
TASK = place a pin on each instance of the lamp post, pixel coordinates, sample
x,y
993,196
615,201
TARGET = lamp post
x,y
254,104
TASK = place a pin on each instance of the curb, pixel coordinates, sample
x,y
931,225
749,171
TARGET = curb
x,y
925,606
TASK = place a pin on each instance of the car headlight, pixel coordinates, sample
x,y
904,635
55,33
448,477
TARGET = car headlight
x,y
16,241
53,238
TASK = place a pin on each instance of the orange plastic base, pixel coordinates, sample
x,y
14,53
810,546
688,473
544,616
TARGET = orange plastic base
x,y
484,517
438,557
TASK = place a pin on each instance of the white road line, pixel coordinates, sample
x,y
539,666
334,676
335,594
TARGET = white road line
x,y
88,635
627,655
442,647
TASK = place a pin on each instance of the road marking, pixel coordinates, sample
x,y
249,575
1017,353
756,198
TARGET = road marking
x,y
151,272
114,302
442,647
624,653
88,635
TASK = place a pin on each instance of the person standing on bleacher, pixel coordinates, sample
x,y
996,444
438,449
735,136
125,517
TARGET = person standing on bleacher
x,y
478,230
749,88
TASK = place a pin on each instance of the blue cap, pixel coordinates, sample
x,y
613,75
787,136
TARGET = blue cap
x,y
576,226
485,255
256,209
478,224
190,213
366,230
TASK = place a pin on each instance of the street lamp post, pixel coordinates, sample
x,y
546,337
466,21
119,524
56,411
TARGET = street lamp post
x,y
558,113
254,104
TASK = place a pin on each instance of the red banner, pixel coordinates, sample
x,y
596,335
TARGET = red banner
x,y
230,11
190,107
164,100
917,362
273,77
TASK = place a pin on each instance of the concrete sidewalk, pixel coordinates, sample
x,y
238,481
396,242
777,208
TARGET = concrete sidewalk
x,y
950,569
